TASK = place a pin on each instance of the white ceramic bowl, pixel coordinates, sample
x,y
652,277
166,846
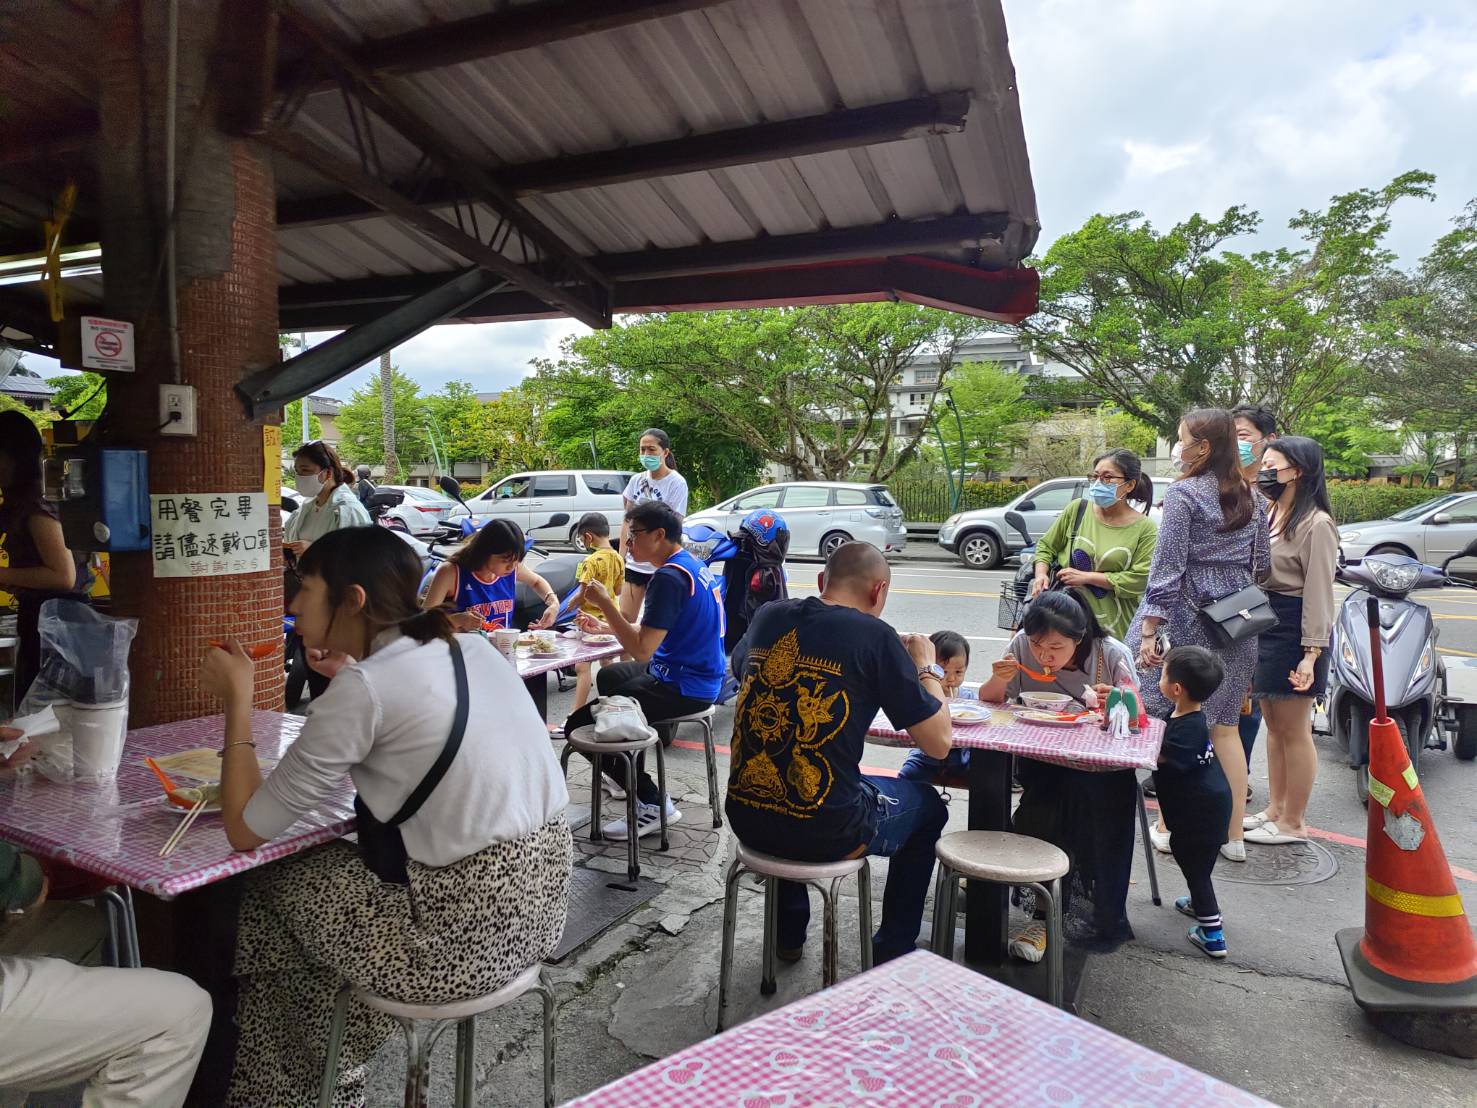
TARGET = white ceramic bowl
x,y
1046,701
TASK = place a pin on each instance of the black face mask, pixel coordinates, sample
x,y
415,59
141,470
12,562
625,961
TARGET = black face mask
x,y
1271,488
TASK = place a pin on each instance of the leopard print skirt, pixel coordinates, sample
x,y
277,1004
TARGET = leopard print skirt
x,y
311,923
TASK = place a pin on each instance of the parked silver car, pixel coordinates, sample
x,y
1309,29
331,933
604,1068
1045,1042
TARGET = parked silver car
x,y
531,499
981,538
1429,532
423,510
821,515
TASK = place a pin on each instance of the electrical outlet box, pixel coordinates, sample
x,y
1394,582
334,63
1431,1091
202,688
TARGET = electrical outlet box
x,y
177,409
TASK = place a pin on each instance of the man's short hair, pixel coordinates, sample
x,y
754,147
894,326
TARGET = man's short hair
x,y
653,515
363,471
593,523
1196,669
856,564
1260,418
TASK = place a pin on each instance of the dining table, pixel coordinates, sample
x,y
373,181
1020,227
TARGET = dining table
x,y
116,828
570,648
992,742
918,1030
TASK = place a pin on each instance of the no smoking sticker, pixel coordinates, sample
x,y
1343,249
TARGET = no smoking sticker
x,y
107,344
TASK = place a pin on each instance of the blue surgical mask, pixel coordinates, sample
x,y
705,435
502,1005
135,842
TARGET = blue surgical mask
x,y
1246,451
1103,495
651,462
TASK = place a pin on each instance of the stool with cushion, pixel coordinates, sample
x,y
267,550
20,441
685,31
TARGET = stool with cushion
x,y
627,752
1001,858
825,876
705,718
418,1045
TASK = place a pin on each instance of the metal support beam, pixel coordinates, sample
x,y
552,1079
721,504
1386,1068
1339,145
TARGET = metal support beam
x,y
764,142
349,176
270,389
510,29
552,267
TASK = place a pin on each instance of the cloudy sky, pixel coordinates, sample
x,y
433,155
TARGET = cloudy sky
x,y
1170,107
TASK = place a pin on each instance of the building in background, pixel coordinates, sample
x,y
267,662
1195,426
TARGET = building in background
x,y
26,387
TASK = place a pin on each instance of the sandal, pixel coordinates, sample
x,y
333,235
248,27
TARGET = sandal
x,y
1268,834
1249,823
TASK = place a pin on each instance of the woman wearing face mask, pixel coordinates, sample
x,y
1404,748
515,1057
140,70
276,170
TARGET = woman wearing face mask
x,y
1256,429
1061,647
1105,550
1213,542
1292,658
658,480
331,503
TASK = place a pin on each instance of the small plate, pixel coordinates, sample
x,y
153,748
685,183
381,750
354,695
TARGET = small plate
x,y
969,713
211,809
601,640
545,653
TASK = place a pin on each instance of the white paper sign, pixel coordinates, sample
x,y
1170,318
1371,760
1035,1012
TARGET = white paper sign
x,y
210,534
107,344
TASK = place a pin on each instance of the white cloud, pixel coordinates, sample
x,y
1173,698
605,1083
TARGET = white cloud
x,y
1147,159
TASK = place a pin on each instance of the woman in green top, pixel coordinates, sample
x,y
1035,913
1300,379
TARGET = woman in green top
x,y
1113,545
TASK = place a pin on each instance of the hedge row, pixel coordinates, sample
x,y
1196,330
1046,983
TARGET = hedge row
x,y
1355,501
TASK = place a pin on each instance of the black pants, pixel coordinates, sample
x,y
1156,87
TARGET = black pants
x,y
658,701
1196,861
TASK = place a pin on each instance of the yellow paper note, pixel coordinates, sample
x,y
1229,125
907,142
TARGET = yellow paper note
x,y
272,462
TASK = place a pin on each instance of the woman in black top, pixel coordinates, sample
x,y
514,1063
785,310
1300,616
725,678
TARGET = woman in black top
x,y
41,567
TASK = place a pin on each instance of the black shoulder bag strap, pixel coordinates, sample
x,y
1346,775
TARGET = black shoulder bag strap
x,y
1071,539
438,770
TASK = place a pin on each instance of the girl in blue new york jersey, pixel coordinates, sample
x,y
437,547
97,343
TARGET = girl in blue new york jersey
x,y
479,583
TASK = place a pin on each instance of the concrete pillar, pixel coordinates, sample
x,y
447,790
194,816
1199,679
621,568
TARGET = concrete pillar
x,y
225,230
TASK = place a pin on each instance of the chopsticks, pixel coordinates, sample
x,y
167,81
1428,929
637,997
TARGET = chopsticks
x,y
179,832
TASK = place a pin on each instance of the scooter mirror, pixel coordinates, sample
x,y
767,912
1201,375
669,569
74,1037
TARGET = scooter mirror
x,y
558,519
449,486
1018,522
1470,551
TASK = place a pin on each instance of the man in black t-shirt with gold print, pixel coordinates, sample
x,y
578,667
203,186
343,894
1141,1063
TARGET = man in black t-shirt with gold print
x,y
813,674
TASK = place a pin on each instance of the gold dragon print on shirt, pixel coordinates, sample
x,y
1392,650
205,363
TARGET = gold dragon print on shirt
x,y
790,706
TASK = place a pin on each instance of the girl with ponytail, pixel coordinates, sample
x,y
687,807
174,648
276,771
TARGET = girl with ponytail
x,y
487,850
1103,544
479,583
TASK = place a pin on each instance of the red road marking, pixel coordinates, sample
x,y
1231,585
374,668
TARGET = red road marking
x,y
1317,833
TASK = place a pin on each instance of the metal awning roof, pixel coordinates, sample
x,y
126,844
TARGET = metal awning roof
x,y
552,157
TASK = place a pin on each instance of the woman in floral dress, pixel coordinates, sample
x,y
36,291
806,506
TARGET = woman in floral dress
x,y
1213,541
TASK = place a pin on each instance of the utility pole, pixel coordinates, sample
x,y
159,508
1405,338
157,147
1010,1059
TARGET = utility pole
x,y
387,414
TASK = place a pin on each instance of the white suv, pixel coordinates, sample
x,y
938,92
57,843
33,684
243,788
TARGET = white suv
x,y
821,515
531,499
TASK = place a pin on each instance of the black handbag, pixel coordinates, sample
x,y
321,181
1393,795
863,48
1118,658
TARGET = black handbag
x,y
380,844
1242,615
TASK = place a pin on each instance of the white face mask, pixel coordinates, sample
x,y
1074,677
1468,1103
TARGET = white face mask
x,y
309,484
1177,458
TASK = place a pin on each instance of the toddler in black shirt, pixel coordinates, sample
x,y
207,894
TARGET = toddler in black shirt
x,y
1192,789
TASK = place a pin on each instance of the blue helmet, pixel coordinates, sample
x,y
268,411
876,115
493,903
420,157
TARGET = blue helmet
x,y
764,526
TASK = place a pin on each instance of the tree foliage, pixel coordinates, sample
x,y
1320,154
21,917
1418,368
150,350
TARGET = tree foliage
x,y
361,429
995,414
807,388
1161,323
292,425
89,390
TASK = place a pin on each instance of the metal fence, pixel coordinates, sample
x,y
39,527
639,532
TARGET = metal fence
x,y
928,501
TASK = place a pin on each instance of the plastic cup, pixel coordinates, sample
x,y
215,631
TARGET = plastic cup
x,y
506,643
97,731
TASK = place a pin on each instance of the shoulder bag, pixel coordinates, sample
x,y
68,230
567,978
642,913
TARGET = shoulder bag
x,y
380,844
1243,614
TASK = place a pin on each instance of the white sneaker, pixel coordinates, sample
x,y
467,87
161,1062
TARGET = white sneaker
x,y
648,820
611,789
1159,838
1234,851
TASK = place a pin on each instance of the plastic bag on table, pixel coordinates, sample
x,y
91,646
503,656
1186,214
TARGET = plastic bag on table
x,y
84,679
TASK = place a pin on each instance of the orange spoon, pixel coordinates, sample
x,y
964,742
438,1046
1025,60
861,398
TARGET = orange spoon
x,y
1033,675
164,779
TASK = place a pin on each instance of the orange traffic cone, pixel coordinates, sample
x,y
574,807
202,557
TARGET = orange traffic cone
x,y
1415,956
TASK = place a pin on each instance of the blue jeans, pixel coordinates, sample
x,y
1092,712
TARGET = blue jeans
x,y
911,818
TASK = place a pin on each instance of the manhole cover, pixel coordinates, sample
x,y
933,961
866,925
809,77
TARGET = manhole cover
x,y
1300,864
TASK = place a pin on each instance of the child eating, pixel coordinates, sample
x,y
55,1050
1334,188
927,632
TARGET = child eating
x,y
605,565
1193,793
951,650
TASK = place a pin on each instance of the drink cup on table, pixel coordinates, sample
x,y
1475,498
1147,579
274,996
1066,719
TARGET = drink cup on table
x,y
506,642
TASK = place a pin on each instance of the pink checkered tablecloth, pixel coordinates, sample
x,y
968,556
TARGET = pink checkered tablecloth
x,y
116,828
917,1031
570,651
1085,746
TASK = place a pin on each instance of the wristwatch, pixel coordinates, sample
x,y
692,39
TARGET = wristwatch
x,y
934,671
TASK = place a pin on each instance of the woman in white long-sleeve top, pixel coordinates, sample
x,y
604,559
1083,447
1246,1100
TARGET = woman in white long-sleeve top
x,y
1292,658
486,857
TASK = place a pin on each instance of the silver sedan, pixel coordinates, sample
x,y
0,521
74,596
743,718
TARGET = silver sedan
x,y
1429,532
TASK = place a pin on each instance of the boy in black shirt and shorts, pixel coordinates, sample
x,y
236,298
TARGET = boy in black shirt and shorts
x,y
1193,793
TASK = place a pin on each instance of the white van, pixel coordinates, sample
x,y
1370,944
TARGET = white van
x,y
531,499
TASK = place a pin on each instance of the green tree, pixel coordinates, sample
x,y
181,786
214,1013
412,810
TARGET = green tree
x,y
292,425
995,413
1350,432
361,426
1160,323
89,390
461,419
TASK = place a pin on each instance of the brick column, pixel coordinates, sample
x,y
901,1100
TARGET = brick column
x,y
225,230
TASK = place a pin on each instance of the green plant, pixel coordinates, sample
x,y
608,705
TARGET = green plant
x,y
1358,501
